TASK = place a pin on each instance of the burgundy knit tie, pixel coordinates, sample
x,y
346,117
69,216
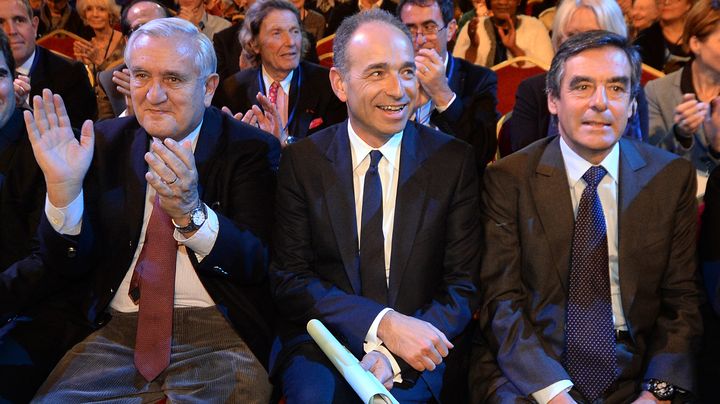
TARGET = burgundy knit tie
x,y
272,95
153,286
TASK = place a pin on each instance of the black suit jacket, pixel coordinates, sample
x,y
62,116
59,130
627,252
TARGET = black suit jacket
x,y
22,191
315,269
228,49
528,219
530,119
236,168
472,116
67,78
316,104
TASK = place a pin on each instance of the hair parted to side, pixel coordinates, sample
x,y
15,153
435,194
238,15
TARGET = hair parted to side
x,y
608,14
28,8
447,9
351,24
182,32
592,40
702,20
253,20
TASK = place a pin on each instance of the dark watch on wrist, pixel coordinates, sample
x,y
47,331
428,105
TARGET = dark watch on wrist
x,y
660,389
197,218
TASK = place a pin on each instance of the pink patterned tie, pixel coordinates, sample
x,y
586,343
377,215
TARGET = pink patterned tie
x,y
273,92
154,281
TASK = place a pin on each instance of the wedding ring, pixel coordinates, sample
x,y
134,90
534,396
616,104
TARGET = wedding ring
x,y
173,181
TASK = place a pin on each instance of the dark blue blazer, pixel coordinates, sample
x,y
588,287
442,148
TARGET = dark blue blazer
x,y
315,269
236,166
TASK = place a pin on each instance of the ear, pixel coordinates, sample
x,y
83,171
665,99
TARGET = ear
x,y
338,86
451,29
35,23
552,104
254,47
694,44
211,84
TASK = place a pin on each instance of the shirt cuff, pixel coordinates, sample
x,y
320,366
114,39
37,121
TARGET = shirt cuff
x,y
203,241
66,220
442,109
373,343
548,393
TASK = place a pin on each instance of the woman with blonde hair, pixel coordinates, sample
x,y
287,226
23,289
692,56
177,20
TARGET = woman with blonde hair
x,y
108,45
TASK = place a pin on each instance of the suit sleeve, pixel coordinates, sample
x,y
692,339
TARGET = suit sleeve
x,y
473,117
505,323
300,293
710,239
678,327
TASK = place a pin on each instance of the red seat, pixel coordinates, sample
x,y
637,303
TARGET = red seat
x,y
324,48
60,41
649,73
509,75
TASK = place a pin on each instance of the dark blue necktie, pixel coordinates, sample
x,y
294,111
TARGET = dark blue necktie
x,y
589,333
372,241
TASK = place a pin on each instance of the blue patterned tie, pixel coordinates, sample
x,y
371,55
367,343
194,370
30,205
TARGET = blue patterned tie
x,y
589,334
372,241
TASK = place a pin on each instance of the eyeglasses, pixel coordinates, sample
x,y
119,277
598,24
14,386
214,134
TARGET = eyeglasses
x,y
429,30
135,28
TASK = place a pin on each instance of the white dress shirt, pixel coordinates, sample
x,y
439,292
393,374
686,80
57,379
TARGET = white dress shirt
x,y
389,170
189,291
24,68
575,168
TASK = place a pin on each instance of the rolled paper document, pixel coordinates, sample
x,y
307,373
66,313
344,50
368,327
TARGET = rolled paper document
x,y
365,384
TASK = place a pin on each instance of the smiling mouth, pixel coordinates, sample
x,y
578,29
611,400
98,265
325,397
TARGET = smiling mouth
x,y
597,124
392,108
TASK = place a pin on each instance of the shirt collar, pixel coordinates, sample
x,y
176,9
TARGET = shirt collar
x,y
25,67
576,166
360,149
284,83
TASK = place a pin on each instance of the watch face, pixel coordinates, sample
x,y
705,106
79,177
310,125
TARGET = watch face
x,y
197,217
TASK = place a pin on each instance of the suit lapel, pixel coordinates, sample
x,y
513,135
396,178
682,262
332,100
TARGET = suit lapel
x,y
207,143
551,194
137,185
340,198
630,223
409,207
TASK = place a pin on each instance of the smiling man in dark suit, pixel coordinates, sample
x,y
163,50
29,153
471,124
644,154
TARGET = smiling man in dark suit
x,y
457,97
45,69
377,230
589,283
166,215
272,32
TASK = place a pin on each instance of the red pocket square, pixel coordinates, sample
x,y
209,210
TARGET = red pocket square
x,y
315,123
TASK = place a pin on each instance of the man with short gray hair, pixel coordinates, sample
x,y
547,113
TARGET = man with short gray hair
x,y
152,211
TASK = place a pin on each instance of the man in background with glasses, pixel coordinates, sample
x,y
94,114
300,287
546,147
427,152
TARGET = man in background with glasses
x,y
456,97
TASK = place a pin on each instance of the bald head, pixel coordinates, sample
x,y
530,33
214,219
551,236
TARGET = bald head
x,y
140,13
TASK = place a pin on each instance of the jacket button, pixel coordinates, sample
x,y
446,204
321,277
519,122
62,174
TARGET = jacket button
x,y
71,252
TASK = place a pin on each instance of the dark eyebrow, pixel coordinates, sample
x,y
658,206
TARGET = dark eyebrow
x,y
579,79
4,72
620,79
376,66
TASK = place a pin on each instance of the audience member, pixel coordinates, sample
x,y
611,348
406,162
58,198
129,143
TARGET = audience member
x,y
530,118
644,13
312,21
59,14
301,90
683,103
154,211
32,339
108,44
661,44
45,69
114,83
479,9
589,286
487,41
399,299
194,11
456,97
343,9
